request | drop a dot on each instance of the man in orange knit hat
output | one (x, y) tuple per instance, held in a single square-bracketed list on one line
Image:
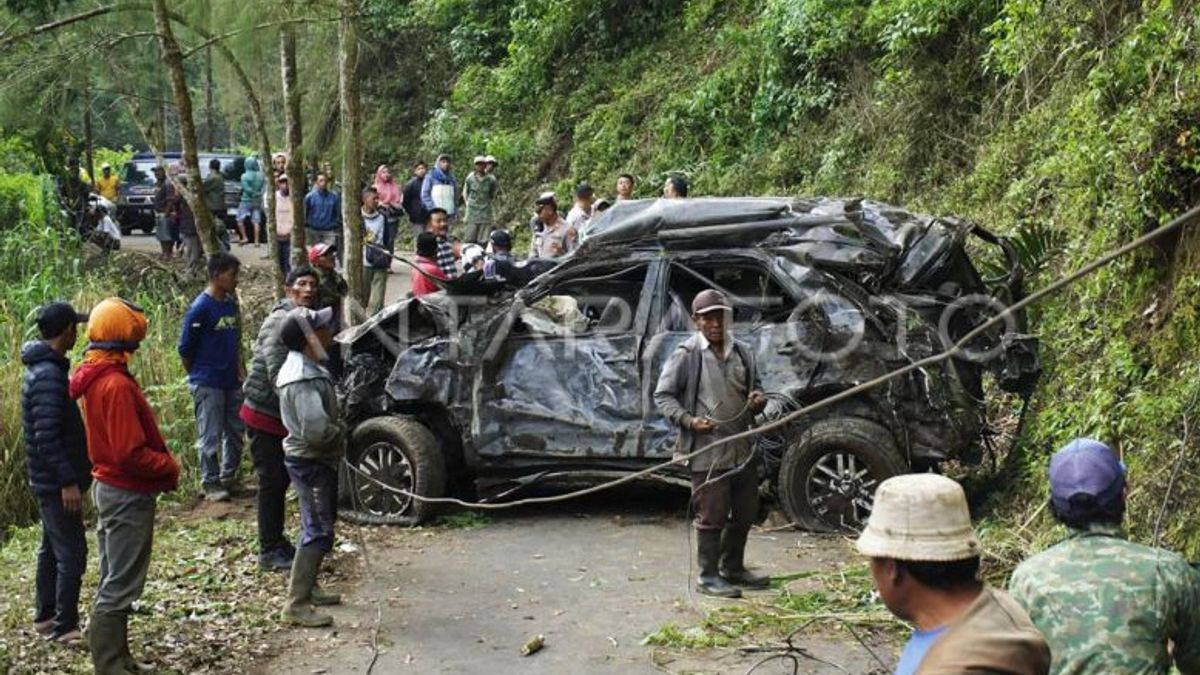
[(130, 465)]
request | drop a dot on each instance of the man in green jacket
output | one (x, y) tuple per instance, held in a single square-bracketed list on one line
[(479, 191), (1104, 603), (313, 448), (250, 208)]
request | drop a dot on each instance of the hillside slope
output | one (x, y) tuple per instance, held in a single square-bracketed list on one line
[(1072, 123)]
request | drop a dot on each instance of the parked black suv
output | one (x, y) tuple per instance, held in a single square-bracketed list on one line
[(135, 203), (555, 380)]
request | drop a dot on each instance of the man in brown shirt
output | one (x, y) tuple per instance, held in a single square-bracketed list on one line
[(925, 562)]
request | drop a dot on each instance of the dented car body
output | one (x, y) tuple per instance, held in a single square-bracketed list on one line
[(555, 379)]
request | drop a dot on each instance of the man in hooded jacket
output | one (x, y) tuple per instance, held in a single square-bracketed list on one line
[(250, 212), (130, 464), (440, 189)]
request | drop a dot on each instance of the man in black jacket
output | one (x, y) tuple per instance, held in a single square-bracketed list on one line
[(418, 216), (59, 471)]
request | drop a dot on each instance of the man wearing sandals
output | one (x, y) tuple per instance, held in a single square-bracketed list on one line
[(59, 471)]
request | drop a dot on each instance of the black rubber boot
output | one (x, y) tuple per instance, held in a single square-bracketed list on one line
[(298, 611), (708, 551), (733, 556), (106, 637)]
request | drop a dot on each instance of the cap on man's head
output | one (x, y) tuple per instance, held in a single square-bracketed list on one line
[(710, 300), (501, 239), (584, 189), (1085, 471), (427, 245), (491, 160), (445, 156), (480, 159), (545, 198), (317, 250), (55, 318), (919, 517), (299, 324)]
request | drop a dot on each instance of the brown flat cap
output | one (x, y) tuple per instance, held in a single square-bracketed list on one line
[(710, 300)]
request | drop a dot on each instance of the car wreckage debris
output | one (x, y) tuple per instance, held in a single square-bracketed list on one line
[(513, 386)]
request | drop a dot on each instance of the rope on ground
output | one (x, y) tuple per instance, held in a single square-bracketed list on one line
[(957, 349), (791, 652)]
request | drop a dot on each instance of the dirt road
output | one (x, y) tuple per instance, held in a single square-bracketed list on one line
[(398, 283), (595, 578)]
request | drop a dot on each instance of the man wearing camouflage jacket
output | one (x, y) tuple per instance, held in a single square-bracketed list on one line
[(1106, 604)]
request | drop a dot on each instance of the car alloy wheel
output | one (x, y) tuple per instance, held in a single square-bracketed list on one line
[(387, 464), (841, 490)]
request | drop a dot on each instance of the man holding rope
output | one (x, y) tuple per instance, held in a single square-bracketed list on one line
[(710, 389)]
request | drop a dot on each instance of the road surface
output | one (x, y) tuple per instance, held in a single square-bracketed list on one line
[(594, 577), (397, 287)]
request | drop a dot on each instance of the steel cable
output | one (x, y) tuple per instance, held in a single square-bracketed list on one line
[(957, 349)]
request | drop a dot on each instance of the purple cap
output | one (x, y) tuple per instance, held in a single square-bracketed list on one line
[(1085, 470)]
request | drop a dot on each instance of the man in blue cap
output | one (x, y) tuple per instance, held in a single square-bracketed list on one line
[(1106, 604)]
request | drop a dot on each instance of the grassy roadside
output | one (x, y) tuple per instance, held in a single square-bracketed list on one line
[(206, 608), (837, 603)]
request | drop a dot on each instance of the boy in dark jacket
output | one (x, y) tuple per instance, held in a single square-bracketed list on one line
[(59, 471), (130, 464), (260, 412)]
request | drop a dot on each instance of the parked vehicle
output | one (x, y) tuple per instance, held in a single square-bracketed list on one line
[(555, 379), (135, 208)]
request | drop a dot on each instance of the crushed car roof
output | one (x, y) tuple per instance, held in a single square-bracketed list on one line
[(876, 243)]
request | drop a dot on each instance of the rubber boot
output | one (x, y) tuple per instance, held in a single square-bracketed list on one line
[(733, 556), (106, 637), (319, 597), (298, 612), (708, 550)]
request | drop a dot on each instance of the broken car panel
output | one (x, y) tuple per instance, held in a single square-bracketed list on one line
[(557, 376)]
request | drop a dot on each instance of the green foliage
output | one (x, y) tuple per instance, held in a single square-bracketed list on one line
[(1070, 126)]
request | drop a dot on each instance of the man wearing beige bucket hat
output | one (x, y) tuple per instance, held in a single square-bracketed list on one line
[(925, 562)]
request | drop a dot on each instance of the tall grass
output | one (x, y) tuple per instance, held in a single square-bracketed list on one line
[(41, 261)]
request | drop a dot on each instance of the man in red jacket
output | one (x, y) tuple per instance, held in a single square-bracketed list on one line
[(130, 465)]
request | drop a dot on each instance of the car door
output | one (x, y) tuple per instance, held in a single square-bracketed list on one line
[(766, 319), (564, 381)]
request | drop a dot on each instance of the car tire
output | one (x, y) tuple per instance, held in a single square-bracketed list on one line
[(837, 448), (401, 452)]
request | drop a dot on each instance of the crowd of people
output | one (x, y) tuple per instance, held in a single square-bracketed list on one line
[(1094, 603), (284, 401)]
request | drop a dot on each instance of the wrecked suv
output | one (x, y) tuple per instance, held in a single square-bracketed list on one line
[(496, 388)]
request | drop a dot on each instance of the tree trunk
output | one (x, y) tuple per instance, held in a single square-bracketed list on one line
[(173, 58), (351, 150), (89, 147), (264, 148), (208, 100), (295, 164)]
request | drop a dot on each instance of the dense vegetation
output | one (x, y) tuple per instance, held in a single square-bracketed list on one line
[(41, 260), (1074, 119)]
